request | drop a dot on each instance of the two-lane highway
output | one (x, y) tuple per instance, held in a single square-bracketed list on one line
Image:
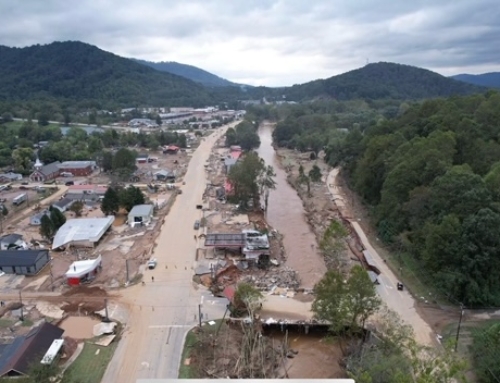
[(162, 311)]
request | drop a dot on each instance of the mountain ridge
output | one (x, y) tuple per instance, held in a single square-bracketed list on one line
[(490, 79), (190, 72)]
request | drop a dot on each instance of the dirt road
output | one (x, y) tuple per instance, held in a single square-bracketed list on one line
[(399, 301), (162, 311)]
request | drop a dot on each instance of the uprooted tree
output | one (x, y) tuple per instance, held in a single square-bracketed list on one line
[(393, 356), (247, 300)]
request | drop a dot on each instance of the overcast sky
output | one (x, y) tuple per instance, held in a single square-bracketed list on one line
[(270, 42)]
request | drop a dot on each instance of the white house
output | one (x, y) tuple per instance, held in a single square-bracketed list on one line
[(11, 241), (140, 215)]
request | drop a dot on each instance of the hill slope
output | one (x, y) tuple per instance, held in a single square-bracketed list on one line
[(188, 71), (486, 79), (382, 81), (77, 71)]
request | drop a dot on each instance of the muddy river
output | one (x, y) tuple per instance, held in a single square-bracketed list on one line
[(316, 357), (286, 214)]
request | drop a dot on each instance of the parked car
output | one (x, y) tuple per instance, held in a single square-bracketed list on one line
[(199, 207), (22, 188), (69, 183), (25, 183), (196, 224), (152, 263), (400, 286)]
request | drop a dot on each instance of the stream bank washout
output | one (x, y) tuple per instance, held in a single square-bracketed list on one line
[(286, 213)]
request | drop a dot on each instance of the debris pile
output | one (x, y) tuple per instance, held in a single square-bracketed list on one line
[(271, 279)]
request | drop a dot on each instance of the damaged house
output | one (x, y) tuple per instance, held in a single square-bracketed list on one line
[(250, 243)]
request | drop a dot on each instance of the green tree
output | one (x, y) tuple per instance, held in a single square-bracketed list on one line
[(303, 179), (124, 159), (245, 176), (131, 196), (23, 157), (247, 300), (347, 303), (333, 242), (159, 122), (77, 208), (111, 202), (43, 119), (485, 350), (106, 161), (46, 227), (315, 173), (7, 117), (266, 183), (57, 217)]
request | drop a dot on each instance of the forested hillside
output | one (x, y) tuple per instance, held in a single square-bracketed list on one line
[(75, 71), (382, 81), (433, 178), (188, 71)]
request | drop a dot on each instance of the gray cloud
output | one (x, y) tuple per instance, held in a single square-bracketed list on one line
[(270, 42)]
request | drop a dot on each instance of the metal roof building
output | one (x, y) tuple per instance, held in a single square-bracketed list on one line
[(84, 232), (225, 240)]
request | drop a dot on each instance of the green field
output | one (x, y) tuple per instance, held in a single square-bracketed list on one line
[(90, 366)]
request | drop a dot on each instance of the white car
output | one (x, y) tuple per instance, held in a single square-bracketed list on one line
[(152, 264)]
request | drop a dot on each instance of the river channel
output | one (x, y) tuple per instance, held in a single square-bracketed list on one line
[(285, 213)]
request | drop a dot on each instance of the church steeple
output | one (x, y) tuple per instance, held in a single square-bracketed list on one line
[(38, 164)]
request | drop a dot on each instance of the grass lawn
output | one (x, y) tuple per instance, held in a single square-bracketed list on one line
[(89, 367), (189, 372)]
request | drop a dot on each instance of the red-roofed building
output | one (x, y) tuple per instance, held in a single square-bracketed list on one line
[(228, 188), (235, 155), (171, 149)]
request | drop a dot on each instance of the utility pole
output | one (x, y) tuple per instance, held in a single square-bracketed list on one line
[(106, 310), (126, 268), (21, 300), (459, 325), (51, 275), (199, 315)]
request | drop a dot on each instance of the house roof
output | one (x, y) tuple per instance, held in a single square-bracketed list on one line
[(164, 173), (230, 161), (80, 268), (50, 168), (11, 238), (30, 348), (141, 210), (20, 257), (10, 175), (142, 155), (235, 154), (64, 203), (225, 240), (75, 165), (90, 188), (82, 229)]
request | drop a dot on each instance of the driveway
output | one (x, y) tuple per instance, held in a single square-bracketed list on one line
[(399, 301), (163, 310)]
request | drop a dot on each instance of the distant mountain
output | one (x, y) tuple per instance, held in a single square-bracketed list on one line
[(382, 81), (76, 71), (491, 80), (188, 71)]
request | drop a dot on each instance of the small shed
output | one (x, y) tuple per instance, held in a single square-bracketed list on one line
[(164, 175), (140, 215), (142, 158), (23, 262), (36, 219)]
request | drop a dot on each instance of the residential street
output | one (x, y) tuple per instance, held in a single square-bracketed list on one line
[(161, 312), (399, 301)]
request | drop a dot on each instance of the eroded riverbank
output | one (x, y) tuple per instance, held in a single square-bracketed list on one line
[(286, 214)]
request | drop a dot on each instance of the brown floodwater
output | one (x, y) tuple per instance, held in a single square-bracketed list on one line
[(316, 358), (285, 213), (79, 327)]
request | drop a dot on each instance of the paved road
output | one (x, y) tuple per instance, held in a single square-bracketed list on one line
[(399, 301), (162, 311)]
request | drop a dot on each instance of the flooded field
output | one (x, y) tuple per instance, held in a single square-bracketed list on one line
[(286, 214), (79, 327)]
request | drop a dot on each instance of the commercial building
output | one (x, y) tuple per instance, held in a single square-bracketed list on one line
[(23, 262), (83, 271), (82, 232), (140, 215), (77, 168), (251, 243)]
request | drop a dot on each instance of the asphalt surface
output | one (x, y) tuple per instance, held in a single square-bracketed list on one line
[(401, 302), (163, 310)]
